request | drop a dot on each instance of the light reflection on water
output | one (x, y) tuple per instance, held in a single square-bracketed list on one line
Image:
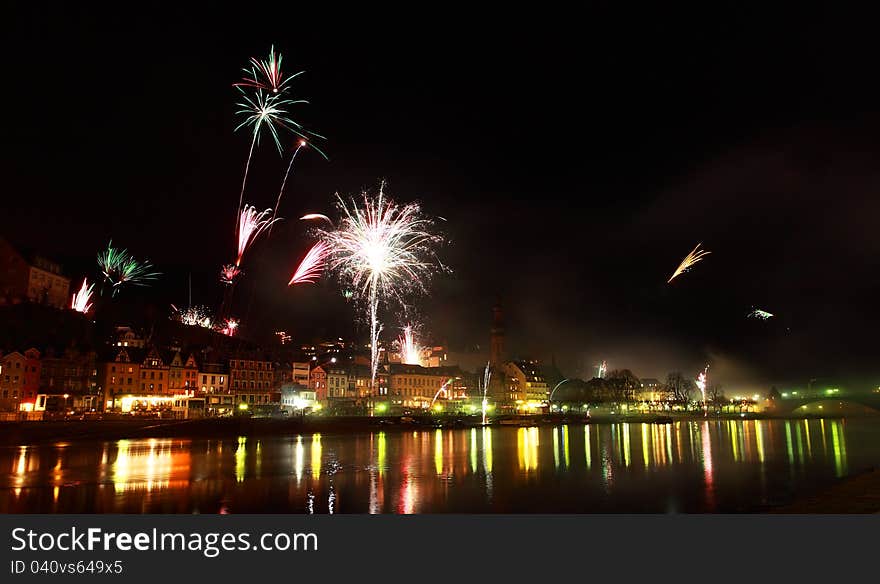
[(691, 466)]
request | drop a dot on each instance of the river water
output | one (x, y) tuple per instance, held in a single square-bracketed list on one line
[(683, 467)]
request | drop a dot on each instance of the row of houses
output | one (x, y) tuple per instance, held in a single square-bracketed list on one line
[(133, 378)]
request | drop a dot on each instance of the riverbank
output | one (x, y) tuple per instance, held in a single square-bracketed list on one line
[(27, 433)]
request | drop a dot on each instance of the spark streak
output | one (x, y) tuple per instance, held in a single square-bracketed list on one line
[(701, 385), (311, 267), (689, 261), (410, 352), (81, 300), (312, 216), (758, 313), (250, 225)]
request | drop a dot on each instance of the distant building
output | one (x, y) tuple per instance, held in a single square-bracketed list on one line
[(31, 279), (183, 374), (253, 383), (126, 337), (213, 378), (296, 398), (154, 374), (318, 382), (652, 390), (300, 372), (19, 380), (74, 374), (526, 388), (119, 376), (213, 384), (415, 386)]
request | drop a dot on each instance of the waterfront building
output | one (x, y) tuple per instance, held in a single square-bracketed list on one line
[(318, 382), (298, 399), (183, 374), (118, 376), (300, 372), (415, 386), (19, 380), (253, 383), (526, 388), (213, 384), (651, 390), (72, 376)]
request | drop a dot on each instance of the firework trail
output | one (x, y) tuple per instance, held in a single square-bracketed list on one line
[(229, 327), (284, 180), (118, 268), (250, 225), (263, 110), (439, 391), (310, 268), (312, 216), (758, 313), (382, 251), (81, 300), (602, 369), (701, 385), (487, 377), (689, 261), (193, 316), (410, 352)]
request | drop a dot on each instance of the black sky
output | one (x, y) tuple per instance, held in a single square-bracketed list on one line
[(576, 157)]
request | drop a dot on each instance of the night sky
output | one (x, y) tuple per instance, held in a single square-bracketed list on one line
[(576, 162)]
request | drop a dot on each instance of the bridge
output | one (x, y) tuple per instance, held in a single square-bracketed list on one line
[(851, 403)]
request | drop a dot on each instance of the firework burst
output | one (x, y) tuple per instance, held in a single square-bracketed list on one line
[(702, 380), (119, 268), (250, 225), (273, 79), (81, 300), (758, 313), (229, 273), (311, 267), (193, 316), (382, 251), (229, 327), (696, 255), (410, 352)]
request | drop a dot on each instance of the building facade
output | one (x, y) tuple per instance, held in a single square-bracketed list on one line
[(526, 389), (19, 380), (35, 279)]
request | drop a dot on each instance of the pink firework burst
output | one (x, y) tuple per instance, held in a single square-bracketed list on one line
[(311, 267), (229, 273), (250, 225), (230, 327)]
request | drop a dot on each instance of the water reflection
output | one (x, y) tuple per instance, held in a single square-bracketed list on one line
[(700, 465)]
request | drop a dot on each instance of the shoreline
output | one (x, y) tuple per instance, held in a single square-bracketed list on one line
[(27, 433)]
